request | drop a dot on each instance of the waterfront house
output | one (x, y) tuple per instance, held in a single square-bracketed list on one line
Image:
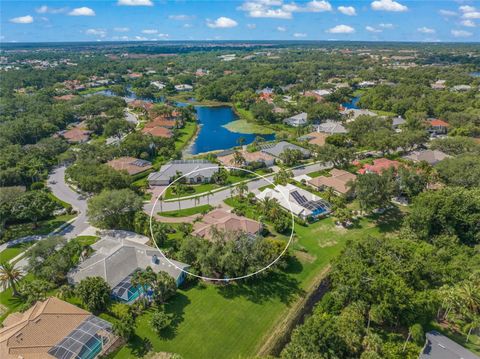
[(297, 120), (276, 149), (195, 171)]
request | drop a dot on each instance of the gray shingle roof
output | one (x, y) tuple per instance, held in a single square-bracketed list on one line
[(439, 346), (115, 259), (276, 149), (170, 169)]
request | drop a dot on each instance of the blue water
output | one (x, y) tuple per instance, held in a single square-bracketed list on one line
[(352, 104), (213, 136), (475, 74)]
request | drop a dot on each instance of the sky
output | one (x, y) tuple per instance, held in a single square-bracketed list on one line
[(140, 20)]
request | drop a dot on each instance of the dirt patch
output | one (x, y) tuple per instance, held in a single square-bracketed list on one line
[(329, 243), (305, 256)]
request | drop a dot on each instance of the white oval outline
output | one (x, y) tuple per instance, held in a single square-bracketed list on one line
[(223, 279)]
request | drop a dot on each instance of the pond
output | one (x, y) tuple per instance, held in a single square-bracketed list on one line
[(213, 136), (352, 104)]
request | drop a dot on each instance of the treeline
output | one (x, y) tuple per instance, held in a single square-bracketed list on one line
[(385, 291)]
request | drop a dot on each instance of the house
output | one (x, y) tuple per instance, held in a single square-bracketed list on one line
[(276, 149), (437, 127), (162, 121), (315, 138), (195, 171), (227, 158), (432, 157), (438, 85), (140, 105), (116, 258), (158, 131), (77, 134), (331, 127), (339, 181), (461, 88), (379, 165), (183, 87), (68, 97), (397, 122), (438, 346), (159, 85), (227, 222), (131, 165), (318, 95), (353, 113), (55, 329), (297, 120), (300, 202), (365, 84)]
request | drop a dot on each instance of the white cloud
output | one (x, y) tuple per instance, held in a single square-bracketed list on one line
[(222, 22), (140, 38), (121, 29), (426, 30), (135, 2), (149, 31), (466, 8), (96, 32), (388, 5), (187, 26), (281, 28), (447, 12), (319, 6), (468, 23), (372, 29), (27, 19), (181, 17), (299, 34), (44, 9), (347, 10), (251, 26), (82, 11), (461, 33), (341, 29), (386, 26), (278, 10), (472, 15)]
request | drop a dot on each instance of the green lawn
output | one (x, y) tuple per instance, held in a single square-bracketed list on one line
[(214, 321), (187, 211), (193, 190), (243, 126), (185, 134), (8, 302), (26, 229), (11, 252)]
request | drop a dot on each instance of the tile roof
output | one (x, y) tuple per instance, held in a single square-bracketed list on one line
[(130, 164), (257, 156), (430, 156), (158, 131), (338, 180), (315, 138), (438, 123), (32, 333), (276, 149), (379, 165), (225, 221)]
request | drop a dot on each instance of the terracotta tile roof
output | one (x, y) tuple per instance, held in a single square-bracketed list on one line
[(379, 165), (130, 164), (158, 131), (225, 221), (32, 333), (161, 121), (316, 138), (438, 123), (76, 134), (338, 180)]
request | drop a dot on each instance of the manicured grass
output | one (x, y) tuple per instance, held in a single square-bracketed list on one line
[(86, 240), (26, 229), (194, 190), (11, 252), (92, 90), (187, 211), (218, 321), (8, 302), (185, 134), (243, 126), (319, 173)]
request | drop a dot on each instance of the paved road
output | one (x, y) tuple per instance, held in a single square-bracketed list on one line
[(56, 182), (217, 198)]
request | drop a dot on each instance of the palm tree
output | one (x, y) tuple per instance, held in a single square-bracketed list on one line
[(242, 188), (10, 276), (238, 159)]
